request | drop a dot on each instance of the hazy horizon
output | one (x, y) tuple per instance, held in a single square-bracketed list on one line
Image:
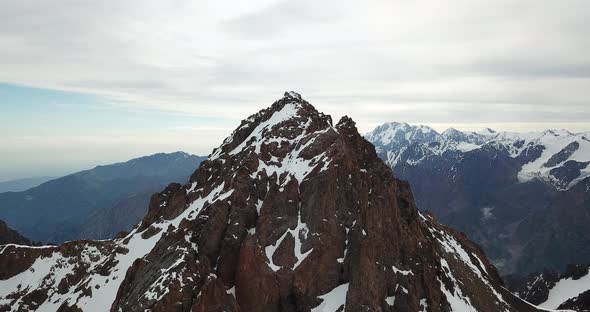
[(56, 172)]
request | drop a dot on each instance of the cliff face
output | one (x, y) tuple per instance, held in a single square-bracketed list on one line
[(10, 236), (290, 213)]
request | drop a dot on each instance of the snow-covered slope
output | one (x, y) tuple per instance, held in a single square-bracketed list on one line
[(566, 289), (558, 157), (570, 290)]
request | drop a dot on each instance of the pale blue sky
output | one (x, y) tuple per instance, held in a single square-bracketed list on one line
[(95, 82), (49, 132)]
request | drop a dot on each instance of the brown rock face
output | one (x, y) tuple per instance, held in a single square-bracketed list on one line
[(257, 288), (290, 213), (167, 205)]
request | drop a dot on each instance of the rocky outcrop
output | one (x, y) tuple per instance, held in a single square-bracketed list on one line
[(10, 236), (290, 213)]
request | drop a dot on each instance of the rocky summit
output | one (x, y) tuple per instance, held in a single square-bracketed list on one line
[(290, 213)]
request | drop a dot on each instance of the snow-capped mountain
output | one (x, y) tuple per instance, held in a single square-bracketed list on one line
[(558, 157), (551, 290), (498, 187), (290, 213)]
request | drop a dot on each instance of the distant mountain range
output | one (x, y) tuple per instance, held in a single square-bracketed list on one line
[(19, 185), (524, 197), (95, 203)]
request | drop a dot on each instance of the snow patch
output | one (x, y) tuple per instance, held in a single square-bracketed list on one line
[(333, 300), (402, 272), (390, 300), (467, 147), (300, 230), (456, 299), (423, 305)]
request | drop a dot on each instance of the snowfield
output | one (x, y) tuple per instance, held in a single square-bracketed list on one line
[(566, 289)]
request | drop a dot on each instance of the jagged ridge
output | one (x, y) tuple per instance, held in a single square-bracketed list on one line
[(558, 157)]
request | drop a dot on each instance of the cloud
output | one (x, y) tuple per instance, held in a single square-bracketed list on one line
[(486, 214), (190, 56), (422, 61), (280, 16)]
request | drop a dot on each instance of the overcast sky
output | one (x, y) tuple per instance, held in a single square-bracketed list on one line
[(92, 82)]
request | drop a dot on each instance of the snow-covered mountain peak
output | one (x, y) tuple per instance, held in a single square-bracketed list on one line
[(285, 122), (557, 132), (453, 134), (399, 133), (487, 131), (449, 132), (426, 129), (292, 95), (556, 156)]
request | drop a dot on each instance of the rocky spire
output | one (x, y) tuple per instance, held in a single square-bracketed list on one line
[(288, 214)]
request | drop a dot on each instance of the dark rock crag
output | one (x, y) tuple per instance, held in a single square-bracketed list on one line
[(290, 213)]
